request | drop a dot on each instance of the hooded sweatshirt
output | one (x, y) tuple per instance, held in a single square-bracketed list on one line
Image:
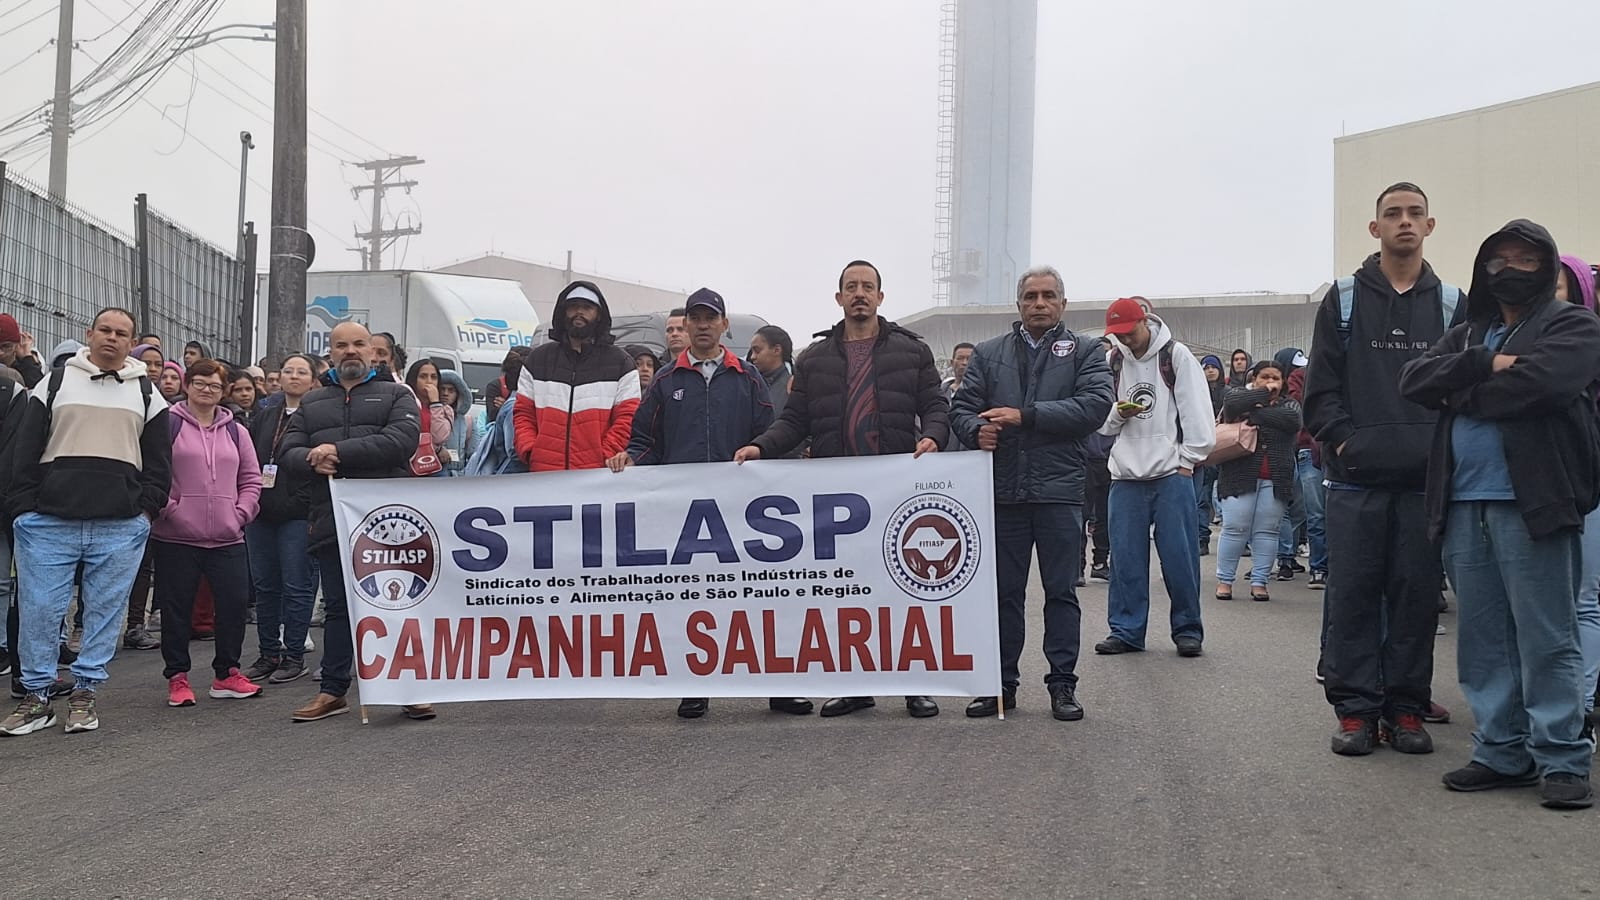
[(1238, 379), (1218, 387), (1583, 277), (1148, 444), (1542, 434), (1351, 394), (216, 482), (465, 429)]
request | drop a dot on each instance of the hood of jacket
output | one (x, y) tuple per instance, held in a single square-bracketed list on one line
[(602, 324), (1371, 274), (131, 369), (63, 350), (463, 393), (1583, 277), (1285, 359), (1480, 305)]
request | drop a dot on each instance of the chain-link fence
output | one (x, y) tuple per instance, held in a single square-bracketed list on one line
[(59, 266)]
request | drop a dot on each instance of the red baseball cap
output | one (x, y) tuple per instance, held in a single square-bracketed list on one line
[(1124, 315)]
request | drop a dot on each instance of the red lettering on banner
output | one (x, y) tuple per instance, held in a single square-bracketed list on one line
[(885, 638), (526, 653), (374, 626), (494, 640), (741, 646), (855, 631), (953, 661), (569, 646), (452, 653), (601, 643), (916, 644), (647, 647), (408, 653), (700, 624), (814, 644), (772, 663)]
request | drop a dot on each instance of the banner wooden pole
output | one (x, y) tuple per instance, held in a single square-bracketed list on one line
[(363, 714)]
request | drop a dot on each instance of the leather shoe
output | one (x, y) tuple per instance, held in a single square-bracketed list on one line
[(1114, 645), (693, 708), (321, 707), (983, 707), (794, 706), (420, 712), (1188, 646), (844, 706), (921, 707), (1064, 703)]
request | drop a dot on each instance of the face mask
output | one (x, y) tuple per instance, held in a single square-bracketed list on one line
[(1516, 288)]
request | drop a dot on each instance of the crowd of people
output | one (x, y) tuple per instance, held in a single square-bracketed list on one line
[(1434, 439)]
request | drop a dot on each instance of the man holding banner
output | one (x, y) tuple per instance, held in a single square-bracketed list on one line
[(867, 388), (702, 408), (1033, 423)]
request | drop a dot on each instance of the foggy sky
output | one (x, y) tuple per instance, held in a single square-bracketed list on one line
[(754, 147)]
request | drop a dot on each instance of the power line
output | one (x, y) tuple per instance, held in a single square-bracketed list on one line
[(24, 24), (15, 8), (43, 47)]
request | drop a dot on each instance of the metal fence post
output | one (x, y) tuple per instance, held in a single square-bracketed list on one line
[(141, 233), (247, 299)]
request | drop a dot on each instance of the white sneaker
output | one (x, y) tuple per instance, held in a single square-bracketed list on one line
[(1439, 629), (310, 645)]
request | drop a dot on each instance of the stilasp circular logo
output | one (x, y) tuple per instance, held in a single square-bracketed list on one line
[(931, 547), (395, 557)]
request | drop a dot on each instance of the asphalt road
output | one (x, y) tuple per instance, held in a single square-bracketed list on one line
[(1208, 777)]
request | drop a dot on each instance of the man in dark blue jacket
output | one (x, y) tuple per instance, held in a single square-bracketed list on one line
[(1030, 397), (702, 408)]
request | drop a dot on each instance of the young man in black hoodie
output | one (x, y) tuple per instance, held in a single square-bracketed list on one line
[(1383, 573), (1514, 384)]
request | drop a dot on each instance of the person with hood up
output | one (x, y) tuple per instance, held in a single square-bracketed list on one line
[(1255, 489), (171, 382), (1206, 476), (1576, 285), (1291, 360), (1164, 429), (577, 394), (216, 492), (467, 426), (1239, 363), (65, 351), (1514, 471), (1211, 366), (193, 352), (1382, 598)]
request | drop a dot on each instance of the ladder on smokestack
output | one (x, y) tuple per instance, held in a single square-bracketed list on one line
[(945, 159)]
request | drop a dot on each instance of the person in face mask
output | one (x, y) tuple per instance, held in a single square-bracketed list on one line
[(1511, 477)]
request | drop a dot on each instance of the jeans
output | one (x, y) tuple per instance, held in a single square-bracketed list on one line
[(1168, 504), (1382, 602), (1096, 490), (227, 570), (1291, 520), (1253, 517), (1589, 607), (338, 647), (48, 551), (1205, 483), (1052, 528), (1517, 641), (286, 588), (1313, 499)]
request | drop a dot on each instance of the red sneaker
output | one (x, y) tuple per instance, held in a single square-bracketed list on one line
[(178, 692), (1436, 714), (234, 687)]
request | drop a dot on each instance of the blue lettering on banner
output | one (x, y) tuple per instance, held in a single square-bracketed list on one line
[(493, 333)]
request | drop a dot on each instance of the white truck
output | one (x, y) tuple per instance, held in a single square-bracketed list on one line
[(461, 322)]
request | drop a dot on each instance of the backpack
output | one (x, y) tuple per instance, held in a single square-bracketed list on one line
[(1449, 297), (146, 388), (493, 456), (1169, 374)]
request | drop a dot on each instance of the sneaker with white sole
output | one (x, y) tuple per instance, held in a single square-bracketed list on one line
[(234, 687), (178, 691), (80, 712), (34, 713)]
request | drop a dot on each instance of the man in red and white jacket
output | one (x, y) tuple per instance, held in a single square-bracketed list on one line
[(577, 394)]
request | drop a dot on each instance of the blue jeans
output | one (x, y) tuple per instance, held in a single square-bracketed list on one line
[(286, 586), (1589, 607), (1517, 642), (338, 646), (1253, 517), (1056, 531), (1314, 500), (1205, 483), (1169, 504), (49, 550)]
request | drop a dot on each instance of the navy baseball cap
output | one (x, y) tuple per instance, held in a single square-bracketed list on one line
[(708, 298)]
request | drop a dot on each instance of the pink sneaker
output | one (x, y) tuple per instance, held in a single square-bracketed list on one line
[(234, 687), (178, 692)]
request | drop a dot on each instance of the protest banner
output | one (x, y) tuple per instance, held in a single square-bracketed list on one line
[(832, 577)]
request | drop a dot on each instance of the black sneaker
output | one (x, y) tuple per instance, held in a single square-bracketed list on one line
[(1205, 547), (1285, 571), (1564, 790), (1318, 582), (1064, 703), (289, 669), (1357, 736), (1114, 645), (693, 708), (1475, 776), (983, 707), (263, 667), (62, 687), (1295, 565), (1100, 575), (1406, 734), (1188, 646)]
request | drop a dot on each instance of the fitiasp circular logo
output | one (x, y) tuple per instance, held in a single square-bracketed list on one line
[(931, 547), (395, 557), (1144, 394)]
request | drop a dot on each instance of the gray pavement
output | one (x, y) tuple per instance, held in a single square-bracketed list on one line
[(1189, 778)]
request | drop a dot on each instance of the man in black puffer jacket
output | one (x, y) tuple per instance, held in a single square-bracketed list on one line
[(1030, 397), (359, 426), (869, 387)]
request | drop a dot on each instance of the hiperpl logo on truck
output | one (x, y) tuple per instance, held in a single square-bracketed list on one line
[(322, 315), (491, 333)]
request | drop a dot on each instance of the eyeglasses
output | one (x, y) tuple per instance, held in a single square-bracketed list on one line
[(1522, 262), (206, 387)]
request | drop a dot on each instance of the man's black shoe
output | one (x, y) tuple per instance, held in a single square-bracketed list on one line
[(1114, 645), (1406, 734), (1475, 776), (1188, 646), (62, 686), (1318, 582), (1100, 574), (844, 706), (1296, 565), (794, 706), (1205, 546), (1357, 736), (1285, 571), (693, 708), (1064, 703), (983, 707), (921, 707), (1564, 790)]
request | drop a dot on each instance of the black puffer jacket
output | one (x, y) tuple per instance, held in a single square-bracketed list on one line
[(1063, 397), (1277, 425), (290, 497), (910, 405), (375, 426)]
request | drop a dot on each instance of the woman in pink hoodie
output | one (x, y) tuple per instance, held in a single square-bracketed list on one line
[(216, 491)]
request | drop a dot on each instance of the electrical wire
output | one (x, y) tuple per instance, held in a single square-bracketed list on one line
[(188, 107), (25, 23), (14, 9), (45, 46)]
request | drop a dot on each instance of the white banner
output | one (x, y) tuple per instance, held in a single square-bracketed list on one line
[(831, 577)]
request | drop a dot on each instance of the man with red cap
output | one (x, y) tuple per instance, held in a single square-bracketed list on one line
[(1164, 429)]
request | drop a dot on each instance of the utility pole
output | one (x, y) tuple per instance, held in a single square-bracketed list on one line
[(61, 109), (291, 246), (378, 237)]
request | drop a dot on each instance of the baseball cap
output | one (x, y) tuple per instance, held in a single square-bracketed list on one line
[(1124, 315), (708, 298), (10, 333)]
